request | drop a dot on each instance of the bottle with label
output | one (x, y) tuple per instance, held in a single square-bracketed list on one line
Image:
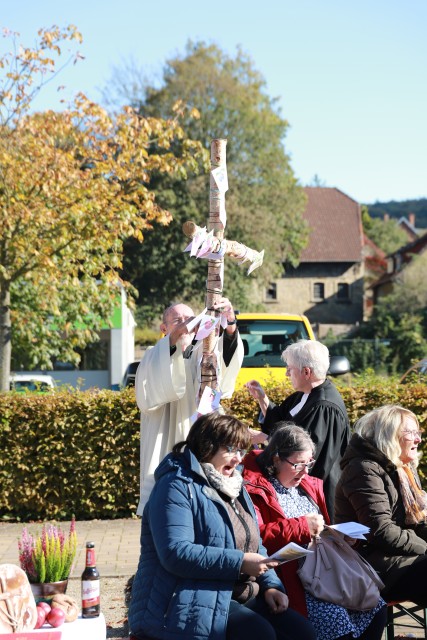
[(91, 600)]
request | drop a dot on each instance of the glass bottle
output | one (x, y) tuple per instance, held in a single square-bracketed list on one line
[(91, 600)]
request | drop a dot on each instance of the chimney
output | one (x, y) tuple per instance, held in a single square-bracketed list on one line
[(386, 217), (411, 218)]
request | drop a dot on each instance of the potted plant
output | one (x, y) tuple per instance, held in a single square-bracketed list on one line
[(48, 558)]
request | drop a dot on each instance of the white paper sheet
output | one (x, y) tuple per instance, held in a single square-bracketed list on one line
[(351, 529), (291, 551)]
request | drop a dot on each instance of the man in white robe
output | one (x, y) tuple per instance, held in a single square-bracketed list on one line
[(167, 383)]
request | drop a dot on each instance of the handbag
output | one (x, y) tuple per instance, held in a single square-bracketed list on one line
[(335, 572)]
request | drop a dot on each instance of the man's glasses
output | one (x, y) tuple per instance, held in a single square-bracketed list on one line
[(300, 466), (411, 435), (233, 451)]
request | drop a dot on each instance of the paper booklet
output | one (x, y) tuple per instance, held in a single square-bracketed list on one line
[(351, 529), (291, 551)]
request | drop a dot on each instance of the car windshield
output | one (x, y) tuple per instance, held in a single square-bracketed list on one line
[(29, 385), (264, 340)]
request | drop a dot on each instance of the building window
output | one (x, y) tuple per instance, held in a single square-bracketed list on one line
[(318, 291), (343, 291), (271, 291), (95, 356)]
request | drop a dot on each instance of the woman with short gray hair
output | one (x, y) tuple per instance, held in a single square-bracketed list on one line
[(291, 507)]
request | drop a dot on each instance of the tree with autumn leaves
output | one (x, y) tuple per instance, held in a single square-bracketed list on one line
[(73, 186)]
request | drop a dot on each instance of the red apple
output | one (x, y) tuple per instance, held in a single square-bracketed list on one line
[(41, 617), (55, 617), (45, 606)]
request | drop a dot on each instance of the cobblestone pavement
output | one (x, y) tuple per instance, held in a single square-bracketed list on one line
[(117, 553)]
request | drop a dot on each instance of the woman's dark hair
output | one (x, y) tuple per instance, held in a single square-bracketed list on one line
[(212, 431), (287, 439)]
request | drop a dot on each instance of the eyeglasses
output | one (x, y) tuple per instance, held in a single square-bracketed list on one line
[(411, 435), (300, 466), (234, 452)]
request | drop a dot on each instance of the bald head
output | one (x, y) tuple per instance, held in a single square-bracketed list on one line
[(173, 318)]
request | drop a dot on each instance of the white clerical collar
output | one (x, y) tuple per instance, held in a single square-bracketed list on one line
[(300, 404)]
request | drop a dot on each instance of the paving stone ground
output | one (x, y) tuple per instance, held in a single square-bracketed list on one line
[(117, 553)]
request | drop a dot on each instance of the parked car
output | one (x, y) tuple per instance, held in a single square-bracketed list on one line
[(129, 374), (416, 373), (265, 336), (31, 382)]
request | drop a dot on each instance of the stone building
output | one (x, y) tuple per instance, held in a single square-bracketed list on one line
[(328, 284)]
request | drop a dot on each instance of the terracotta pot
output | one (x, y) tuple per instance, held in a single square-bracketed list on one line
[(46, 590)]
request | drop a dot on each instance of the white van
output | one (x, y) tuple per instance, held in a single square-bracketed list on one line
[(31, 382)]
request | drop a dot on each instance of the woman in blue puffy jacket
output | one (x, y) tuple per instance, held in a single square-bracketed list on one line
[(203, 573)]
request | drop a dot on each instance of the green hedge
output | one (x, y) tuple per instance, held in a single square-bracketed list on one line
[(78, 452), (69, 453)]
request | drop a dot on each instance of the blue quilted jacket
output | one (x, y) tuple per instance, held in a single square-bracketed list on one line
[(188, 563)]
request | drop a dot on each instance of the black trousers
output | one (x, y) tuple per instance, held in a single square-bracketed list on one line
[(254, 621), (410, 584), (375, 629)]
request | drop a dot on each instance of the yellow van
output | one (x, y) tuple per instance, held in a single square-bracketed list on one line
[(264, 337)]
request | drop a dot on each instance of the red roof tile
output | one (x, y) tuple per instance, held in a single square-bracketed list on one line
[(336, 227)]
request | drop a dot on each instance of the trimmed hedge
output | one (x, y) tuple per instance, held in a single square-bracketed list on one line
[(78, 452), (69, 453)]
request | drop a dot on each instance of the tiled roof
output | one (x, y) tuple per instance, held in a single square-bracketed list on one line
[(336, 227)]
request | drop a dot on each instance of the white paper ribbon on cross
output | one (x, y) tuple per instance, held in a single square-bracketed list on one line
[(221, 178), (257, 262), (222, 211), (209, 401), (195, 321), (207, 245), (196, 241), (207, 325)]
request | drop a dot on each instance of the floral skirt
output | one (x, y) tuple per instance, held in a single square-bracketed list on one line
[(332, 621)]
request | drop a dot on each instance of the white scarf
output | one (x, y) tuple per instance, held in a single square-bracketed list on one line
[(230, 485)]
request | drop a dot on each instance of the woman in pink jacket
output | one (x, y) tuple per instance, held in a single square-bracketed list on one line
[(290, 506)]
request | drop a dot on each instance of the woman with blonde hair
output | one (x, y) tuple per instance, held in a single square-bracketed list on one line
[(380, 488)]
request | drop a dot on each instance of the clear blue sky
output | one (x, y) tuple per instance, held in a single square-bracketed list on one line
[(351, 76)]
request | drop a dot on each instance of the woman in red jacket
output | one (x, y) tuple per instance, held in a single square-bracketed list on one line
[(291, 506)]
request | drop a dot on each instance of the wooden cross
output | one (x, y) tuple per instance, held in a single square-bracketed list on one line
[(236, 250)]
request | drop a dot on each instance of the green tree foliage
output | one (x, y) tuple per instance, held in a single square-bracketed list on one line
[(386, 234), (396, 334), (363, 353), (73, 186), (264, 202)]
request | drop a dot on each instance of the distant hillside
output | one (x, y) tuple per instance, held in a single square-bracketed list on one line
[(399, 209)]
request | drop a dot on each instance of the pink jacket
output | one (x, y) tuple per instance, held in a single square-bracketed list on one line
[(276, 529)]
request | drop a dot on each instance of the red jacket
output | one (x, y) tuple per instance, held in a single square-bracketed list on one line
[(276, 529)]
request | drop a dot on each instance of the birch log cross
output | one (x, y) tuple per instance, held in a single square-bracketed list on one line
[(218, 248)]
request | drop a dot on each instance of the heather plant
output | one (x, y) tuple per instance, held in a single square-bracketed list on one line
[(48, 557)]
